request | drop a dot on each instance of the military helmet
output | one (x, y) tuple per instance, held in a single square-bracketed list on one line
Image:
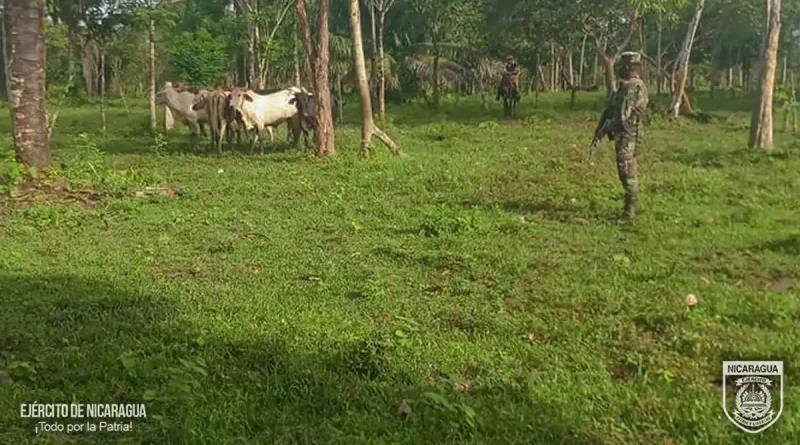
[(631, 57), (510, 58)]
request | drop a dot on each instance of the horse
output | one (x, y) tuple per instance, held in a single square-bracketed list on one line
[(509, 91)]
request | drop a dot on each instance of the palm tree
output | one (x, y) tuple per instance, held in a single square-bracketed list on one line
[(437, 71), (341, 66), (23, 37), (485, 74)]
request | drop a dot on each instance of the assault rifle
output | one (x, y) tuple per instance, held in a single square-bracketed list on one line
[(604, 129)]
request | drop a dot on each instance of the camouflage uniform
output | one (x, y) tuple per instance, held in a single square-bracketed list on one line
[(625, 108)]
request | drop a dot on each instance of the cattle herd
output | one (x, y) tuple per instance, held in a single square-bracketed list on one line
[(238, 111)]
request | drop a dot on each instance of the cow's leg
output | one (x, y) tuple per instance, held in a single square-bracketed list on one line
[(253, 139), (231, 130), (214, 130), (192, 134), (202, 129), (295, 126), (222, 127), (271, 132)]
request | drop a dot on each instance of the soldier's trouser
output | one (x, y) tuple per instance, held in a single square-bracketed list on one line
[(625, 147)]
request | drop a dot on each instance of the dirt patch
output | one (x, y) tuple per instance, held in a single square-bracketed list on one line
[(574, 124), (782, 285), (622, 371), (59, 192)]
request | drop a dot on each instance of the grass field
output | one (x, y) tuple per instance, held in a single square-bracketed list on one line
[(281, 299)]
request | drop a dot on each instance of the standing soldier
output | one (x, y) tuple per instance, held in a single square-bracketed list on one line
[(621, 120)]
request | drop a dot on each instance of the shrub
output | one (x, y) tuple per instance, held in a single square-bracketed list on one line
[(199, 58)]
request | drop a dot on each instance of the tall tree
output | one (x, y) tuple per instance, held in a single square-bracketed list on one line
[(448, 29), (611, 25), (430, 13), (318, 55), (249, 11), (151, 51), (682, 66), (761, 120), (368, 127), (659, 55), (380, 8), (264, 63), (150, 14), (23, 29)]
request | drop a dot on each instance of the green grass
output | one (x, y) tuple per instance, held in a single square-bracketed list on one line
[(280, 299)]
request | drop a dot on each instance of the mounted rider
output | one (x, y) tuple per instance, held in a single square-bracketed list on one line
[(510, 76)]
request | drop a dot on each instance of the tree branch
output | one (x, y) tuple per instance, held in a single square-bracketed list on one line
[(302, 19), (282, 15), (631, 29), (383, 137), (323, 39)]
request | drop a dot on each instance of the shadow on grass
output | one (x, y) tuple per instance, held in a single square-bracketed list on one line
[(181, 144), (68, 338), (789, 245), (547, 210), (468, 110), (720, 157)]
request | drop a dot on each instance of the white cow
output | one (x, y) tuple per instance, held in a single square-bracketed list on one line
[(267, 111), (180, 104)]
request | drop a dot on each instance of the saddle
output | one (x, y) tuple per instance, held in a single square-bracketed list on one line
[(511, 80)]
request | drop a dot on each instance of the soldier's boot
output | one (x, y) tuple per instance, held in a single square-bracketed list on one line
[(630, 208)]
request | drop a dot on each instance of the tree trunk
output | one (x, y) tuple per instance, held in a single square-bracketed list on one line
[(610, 76), (682, 65), (296, 57), (552, 67), (71, 45), (729, 78), (783, 73), (340, 98), (542, 78), (594, 68), (761, 121), (741, 76), (24, 43), (373, 62), (260, 80), (91, 60), (381, 67), (151, 40), (368, 128), (556, 67), (6, 74), (536, 79), (580, 67), (660, 75), (252, 59), (318, 57), (436, 94), (103, 89), (715, 78), (571, 71), (793, 101)]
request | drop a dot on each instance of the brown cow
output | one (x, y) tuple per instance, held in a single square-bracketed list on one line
[(221, 116)]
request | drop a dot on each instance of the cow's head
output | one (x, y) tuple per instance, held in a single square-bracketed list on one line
[(307, 108), (239, 96), (161, 95), (200, 100)]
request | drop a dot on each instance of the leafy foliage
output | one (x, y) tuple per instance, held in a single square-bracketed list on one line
[(199, 58)]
